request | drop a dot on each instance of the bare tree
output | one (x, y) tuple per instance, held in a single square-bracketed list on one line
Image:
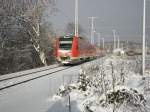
[(25, 27), (33, 22)]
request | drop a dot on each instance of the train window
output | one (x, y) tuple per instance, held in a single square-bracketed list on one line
[(65, 43), (65, 46)]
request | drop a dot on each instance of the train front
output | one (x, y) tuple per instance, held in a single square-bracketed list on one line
[(64, 55)]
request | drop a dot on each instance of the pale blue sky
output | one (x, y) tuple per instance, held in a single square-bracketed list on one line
[(123, 15)]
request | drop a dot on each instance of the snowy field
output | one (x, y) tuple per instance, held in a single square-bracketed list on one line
[(34, 96), (113, 84), (109, 84)]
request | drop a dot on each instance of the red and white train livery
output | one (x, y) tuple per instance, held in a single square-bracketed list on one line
[(72, 49)]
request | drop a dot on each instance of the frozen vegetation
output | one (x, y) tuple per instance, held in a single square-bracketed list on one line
[(111, 84)]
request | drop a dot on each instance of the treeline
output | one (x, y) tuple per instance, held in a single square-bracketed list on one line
[(24, 30)]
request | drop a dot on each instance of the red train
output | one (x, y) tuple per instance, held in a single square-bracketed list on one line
[(71, 49)]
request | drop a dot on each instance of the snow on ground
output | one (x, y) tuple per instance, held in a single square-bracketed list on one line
[(34, 96), (88, 95), (112, 84)]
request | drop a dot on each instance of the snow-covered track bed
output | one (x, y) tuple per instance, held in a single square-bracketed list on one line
[(10, 80), (26, 72)]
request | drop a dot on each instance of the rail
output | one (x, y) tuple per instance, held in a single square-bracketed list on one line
[(25, 74), (29, 77)]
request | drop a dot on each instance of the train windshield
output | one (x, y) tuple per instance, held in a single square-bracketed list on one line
[(65, 46), (65, 43)]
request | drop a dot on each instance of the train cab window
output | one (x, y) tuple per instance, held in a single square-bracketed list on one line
[(64, 46), (65, 43)]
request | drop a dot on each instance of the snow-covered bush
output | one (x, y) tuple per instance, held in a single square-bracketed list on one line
[(83, 80), (64, 90), (102, 76), (106, 86), (121, 95)]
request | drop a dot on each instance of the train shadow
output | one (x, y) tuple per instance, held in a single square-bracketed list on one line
[(76, 64)]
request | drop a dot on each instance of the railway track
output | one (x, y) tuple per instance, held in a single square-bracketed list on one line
[(10, 81), (9, 76)]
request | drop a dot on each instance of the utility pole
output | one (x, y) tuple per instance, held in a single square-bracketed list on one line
[(143, 53), (76, 18), (99, 39), (127, 42), (118, 42), (93, 39), (92, 28), (103, 42), (114, 32), (146, 48)]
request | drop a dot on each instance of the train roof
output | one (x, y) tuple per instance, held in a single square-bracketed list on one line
[(70, 36)]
